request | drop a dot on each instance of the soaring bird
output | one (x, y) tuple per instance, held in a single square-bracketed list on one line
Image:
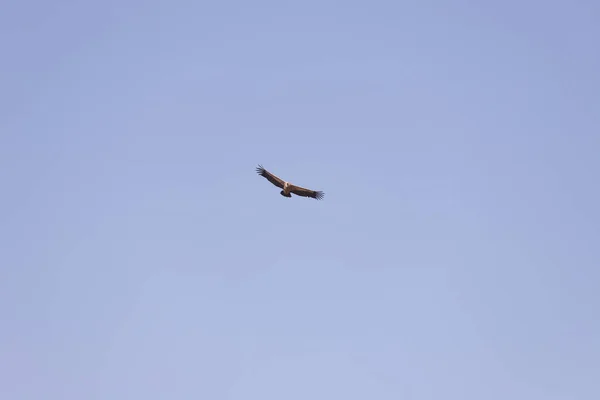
[(287, 187)]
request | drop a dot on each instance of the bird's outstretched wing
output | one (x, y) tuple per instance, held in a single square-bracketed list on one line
[(269, 176), (300, 191)]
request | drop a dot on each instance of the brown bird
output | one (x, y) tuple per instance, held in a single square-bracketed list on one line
[(287, 187)]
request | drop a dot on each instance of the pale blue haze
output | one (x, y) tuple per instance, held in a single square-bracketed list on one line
[(456, 255)]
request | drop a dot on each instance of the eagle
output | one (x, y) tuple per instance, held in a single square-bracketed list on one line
[(287, 187)]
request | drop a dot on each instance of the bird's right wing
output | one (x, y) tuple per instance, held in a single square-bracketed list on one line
[(300, 191), (269, 176)]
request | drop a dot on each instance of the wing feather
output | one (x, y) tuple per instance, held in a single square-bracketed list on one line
[(269, 176)]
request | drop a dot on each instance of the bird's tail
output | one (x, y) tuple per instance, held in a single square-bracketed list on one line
[(285, 195)]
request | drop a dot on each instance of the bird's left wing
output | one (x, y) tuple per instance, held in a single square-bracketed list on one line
[(270, 177)]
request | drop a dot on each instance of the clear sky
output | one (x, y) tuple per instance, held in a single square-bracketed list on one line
[(455, 256)]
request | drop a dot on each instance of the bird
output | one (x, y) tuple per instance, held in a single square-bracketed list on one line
[(287, 187)]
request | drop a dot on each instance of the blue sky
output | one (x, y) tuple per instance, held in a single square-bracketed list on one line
[(455, 255)]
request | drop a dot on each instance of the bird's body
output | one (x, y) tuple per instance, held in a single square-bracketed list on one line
[(286, 190), (287, 187)]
